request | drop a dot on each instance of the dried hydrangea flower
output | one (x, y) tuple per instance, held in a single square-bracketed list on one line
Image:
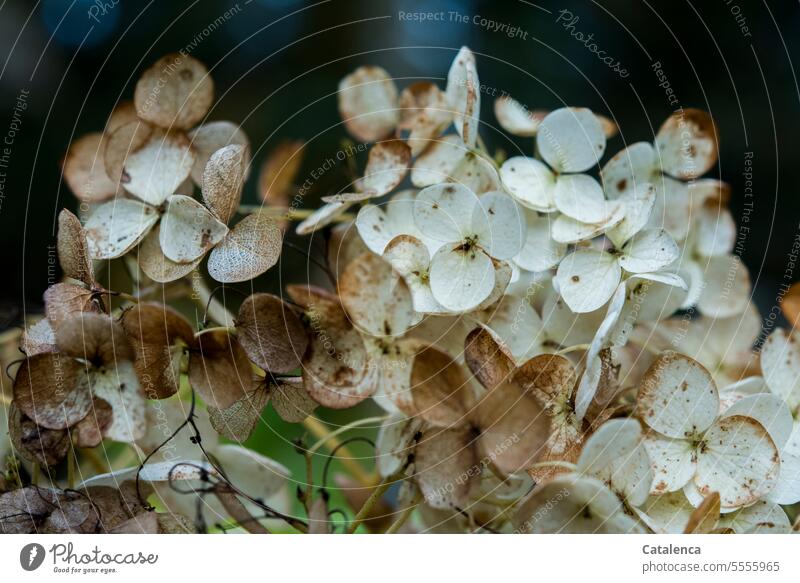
[(691, 442), (94, 363), (473, 231)]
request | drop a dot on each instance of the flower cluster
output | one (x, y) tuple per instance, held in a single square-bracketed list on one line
[(559, 343)]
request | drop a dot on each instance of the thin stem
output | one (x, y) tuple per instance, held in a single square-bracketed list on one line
[(210, 305), (344, 428), (71, 468), (228, 329), (404, 515), (573, 348), (318, 429), (373, 499)]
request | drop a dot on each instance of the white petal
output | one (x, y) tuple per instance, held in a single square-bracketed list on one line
[(762, 512), (387, 164), (188, 229), (515, 118), (649, 250), (410, 258), (539, 251), (210, 137), (727, 287), (571, 139), (738, 460), (321, 217), (530, 182), (672, 461), (117, 226), (672, 209), (580, 197), (461, 279), (438, 162), (517, 325), (667, 513), (770, 411), (627, 170), (568, 230), (591, 377), (565, 327), (587, 279), (787, 488), (379, 224), (150, 163), (444, 211), (119, 387), (615, 454), (638, 205), (780, 363), (499, 223), (715, 230), (677, 397), (464, 96), (256, 475)]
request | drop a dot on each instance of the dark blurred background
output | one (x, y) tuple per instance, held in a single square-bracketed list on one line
[(276, 64)]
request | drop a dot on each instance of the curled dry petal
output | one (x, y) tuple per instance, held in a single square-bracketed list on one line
[(95, 338), (175, 92), (223, 179), (271, 333), (64, 300), (464, 96), (73, 250), (517, 119), (368, 103), (488, 358)]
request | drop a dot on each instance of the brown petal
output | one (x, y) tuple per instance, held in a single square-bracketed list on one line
[(425, 112), (38, 338), (251, 248), (291, 400), (85, 171), (446, 465), (790, 305), (53, 390), (89, 431), (95, 338), (176, 91), (549, 375), (376, 297), (278, 173), (63, 300), (73, 251), (223, 179), (154, 323), (336, 368), (487, 358), (387, 165), (440, 393), (688, 143), (219, 370), (46, 447), (514, 428), (368, 103), (238, 421), (124, 112), (74, 515), (704, 518), (145, 523), (271, 333), (25, 510)]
